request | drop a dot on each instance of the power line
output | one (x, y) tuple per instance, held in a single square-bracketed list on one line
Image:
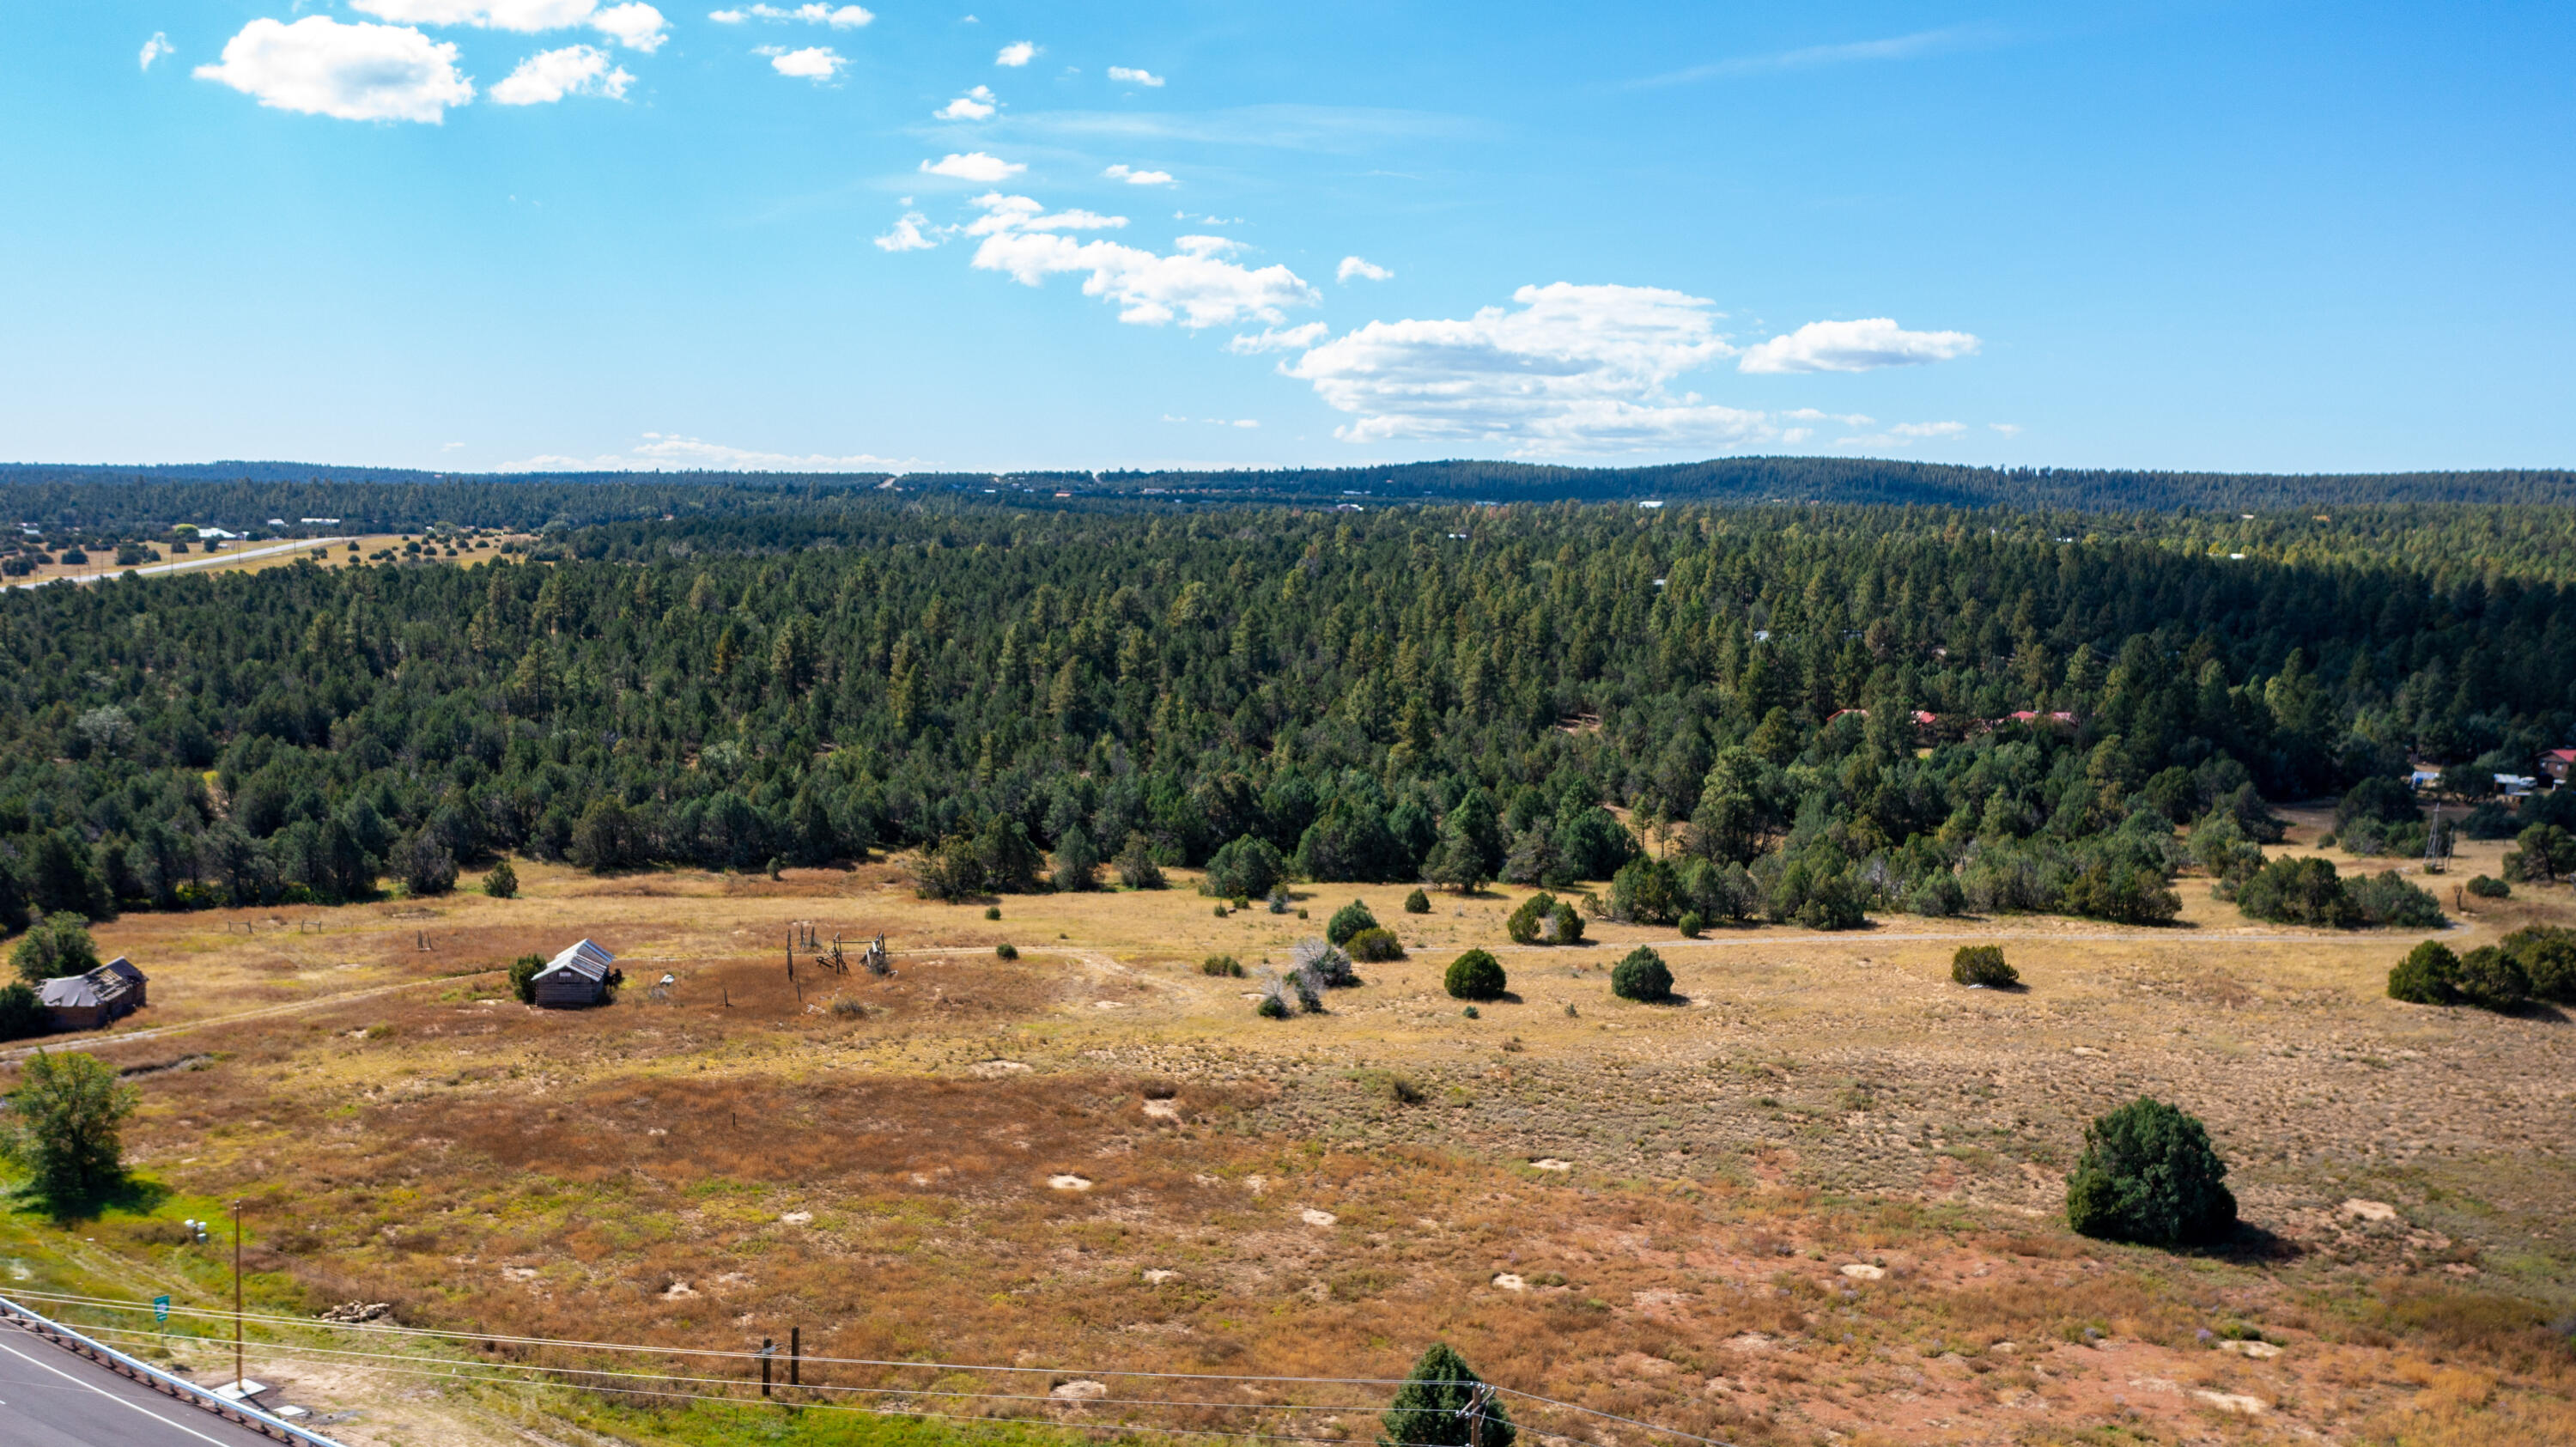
[(431, 1333)]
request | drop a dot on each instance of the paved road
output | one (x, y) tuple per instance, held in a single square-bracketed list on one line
[(211, 560), (50, 1398)]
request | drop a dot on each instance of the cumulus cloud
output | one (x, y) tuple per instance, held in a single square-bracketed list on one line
[(1134, 177), (1016, 54), (974, 105), (1854, 347), (814, 62), (355, 72), (1572, 369), (1195, 285), (907, 234), (1277, 339), (2008, 429), (155, 48), (1129, 75), (550, 75), (973, 166), (1358, 266), (659, 451), (636, 26)]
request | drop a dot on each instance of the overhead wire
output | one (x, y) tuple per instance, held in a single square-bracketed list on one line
[(497, 1339)]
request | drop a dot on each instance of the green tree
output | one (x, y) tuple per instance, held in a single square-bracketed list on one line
[(59, 945), (22, 1014), (1347, 921), (1077, 864), (65, 1126), (502, 882), (2429, 975), (1244, 869), (2149, 1175), (523, 977), (2547, 954), (2491, 979), (1417, 903), (424, 866), (1475, 975), (1136, 866), (1431, 1408), (1642, 976), (1983, 965), (2298, 891)]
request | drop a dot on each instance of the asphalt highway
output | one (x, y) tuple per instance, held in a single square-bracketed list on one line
[(50, 1398)]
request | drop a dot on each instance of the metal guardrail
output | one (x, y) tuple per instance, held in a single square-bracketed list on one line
[(161, 1381)]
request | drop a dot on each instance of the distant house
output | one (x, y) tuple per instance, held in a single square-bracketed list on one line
[(2514, 786), (578, 978), (2423, 778), (2554, 764), (103, 996), (221, 535)]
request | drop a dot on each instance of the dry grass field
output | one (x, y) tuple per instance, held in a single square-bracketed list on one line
[(1815, 1201), (243, 557)]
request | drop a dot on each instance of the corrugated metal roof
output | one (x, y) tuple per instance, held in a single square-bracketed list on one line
[(109, 981), (581, 958)]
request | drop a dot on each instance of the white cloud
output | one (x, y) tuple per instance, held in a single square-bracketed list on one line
[(1195, 285), (1132, 76), (814, 62), (525, 16), (155, 48), (1357, 266), (2009, 429), (550, 75), (907, 234), (1005, 213), (356, 72), (669, 452), (1017, 53), (974, 105), (839, 17), (1278, 339), (1906, 433), (1574, 369), (637, 26), (1134, 177), (973, 166), (1854, 347)]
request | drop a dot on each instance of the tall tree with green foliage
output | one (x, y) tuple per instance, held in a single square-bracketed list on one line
[(1432, 1408), (58, 945), (65, 1127)]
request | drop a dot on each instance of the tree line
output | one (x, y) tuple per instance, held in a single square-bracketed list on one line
[(1807, 712)]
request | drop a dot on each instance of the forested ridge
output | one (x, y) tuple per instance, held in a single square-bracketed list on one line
[(1447, 693), (114, 500)]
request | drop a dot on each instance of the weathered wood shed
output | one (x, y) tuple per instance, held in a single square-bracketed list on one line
[(577, 978), (84, 1002)]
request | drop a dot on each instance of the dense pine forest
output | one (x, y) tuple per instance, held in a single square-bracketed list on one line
[(1803, 713), (111, 502)]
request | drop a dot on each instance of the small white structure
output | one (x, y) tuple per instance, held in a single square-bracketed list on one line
[(577, 978)]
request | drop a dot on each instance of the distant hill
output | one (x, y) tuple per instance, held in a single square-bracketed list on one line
[(237, 493)]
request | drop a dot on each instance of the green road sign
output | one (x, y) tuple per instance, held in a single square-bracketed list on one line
[(161, 1310)]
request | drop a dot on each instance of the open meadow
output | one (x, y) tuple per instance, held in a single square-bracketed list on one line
[(1816, 1199)]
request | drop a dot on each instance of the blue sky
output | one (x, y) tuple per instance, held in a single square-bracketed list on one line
[(480, 234)]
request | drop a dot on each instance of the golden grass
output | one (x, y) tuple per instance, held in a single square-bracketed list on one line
[(1820, 1101)]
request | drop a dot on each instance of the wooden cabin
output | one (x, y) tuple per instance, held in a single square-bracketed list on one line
[(578, 978)]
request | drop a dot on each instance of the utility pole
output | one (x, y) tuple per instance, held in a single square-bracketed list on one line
[(1477, 1396), (238, 1378)]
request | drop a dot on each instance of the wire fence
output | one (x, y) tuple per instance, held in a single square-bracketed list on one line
[(1168, 1403)]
